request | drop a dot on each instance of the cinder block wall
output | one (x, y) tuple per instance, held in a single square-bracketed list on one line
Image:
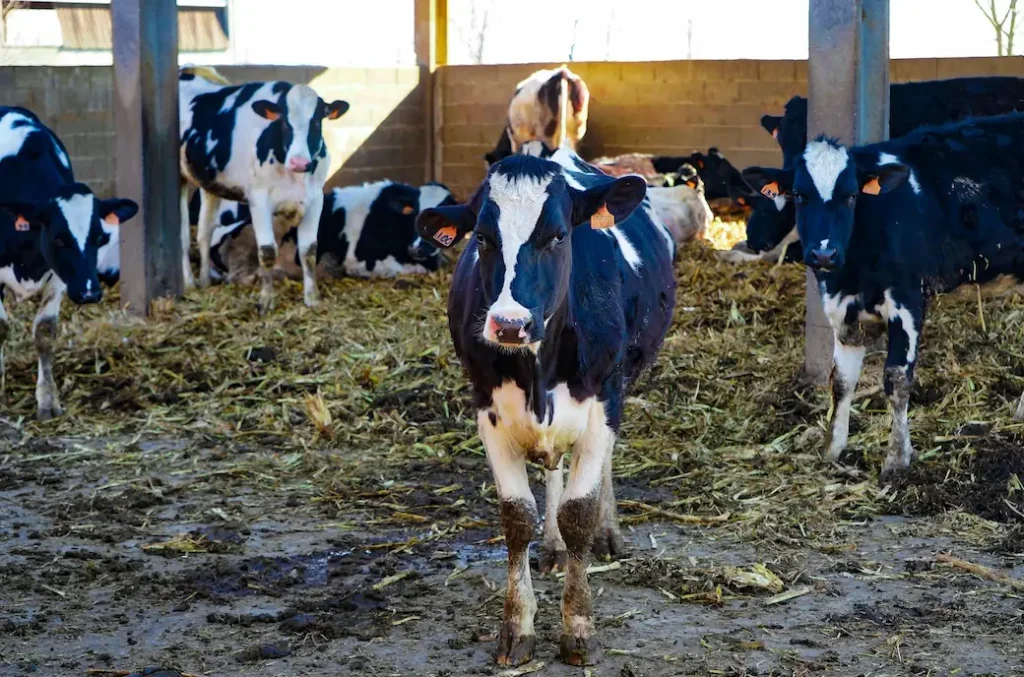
[(669, 107), (382, 135)]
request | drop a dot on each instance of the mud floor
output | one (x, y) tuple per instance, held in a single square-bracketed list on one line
[(132, 553)]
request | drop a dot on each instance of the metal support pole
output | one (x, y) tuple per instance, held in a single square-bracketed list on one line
[(848, 92), (145, 34)]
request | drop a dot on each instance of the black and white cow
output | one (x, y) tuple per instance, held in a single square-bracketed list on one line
[(563, 295), (912, 105), (720, 178), (549, 106), (364, 231), (260, 143), (51, 232), (887, 225)]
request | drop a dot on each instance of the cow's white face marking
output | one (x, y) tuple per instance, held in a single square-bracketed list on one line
[(520, 200), (13, 138), (77, 211), (301, 101), (825, 163), (780, 202), (824, 244)]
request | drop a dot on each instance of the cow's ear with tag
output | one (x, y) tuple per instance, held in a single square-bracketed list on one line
[(336, 109), (771, 124), (445, 226), (608, 204), (23, 215), (882, 179), (266, 109), (769, 182), (116, 211)]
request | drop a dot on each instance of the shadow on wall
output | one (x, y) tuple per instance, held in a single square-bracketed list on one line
[(382, 135)]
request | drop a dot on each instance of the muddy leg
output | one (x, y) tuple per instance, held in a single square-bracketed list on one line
[(577, 519), (518, 511), (266, 243), (552, 551), (44, 332), (904, 330), (186, 240), (307, 249), (608, 542), (848, 358)]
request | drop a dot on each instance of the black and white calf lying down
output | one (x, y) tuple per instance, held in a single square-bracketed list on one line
[(52, 231), (364, 231), (260, 143), (559, 301), (770, 228), (887, 225)]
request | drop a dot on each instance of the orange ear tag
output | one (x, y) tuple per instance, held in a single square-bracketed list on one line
[(872, 187), (111, 220), (21, 224), (742, 201), (775, 133), (446, 236), (408, 210), (692, 184), (771, 191), (602, 219)]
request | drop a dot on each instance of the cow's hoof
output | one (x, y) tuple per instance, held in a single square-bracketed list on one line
[(579, 651), (552, 559), (52, 411), (514, 649), (608, 544), (312, 301), (892, 472), (264, 305)]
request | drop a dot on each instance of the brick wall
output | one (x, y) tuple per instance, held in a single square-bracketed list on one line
[(382, 135), (671, 107)]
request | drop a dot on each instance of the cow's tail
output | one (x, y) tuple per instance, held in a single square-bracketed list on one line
[(562, 130)]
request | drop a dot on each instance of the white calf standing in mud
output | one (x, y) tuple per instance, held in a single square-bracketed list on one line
[(560, 300)]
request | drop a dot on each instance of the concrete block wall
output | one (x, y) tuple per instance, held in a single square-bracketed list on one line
[(382, 135), (670, 107)]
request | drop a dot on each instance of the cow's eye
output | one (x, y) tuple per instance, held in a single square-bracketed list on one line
[(482, 241), (555, 241), (102, 239), (59, 243), (851, 200), (799, 198)]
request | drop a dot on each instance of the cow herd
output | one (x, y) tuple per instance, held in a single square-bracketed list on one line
[(564, 290)]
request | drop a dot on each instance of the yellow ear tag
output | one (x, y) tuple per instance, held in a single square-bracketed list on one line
[(602, 219), (408, 210), (21, 224), (771, 191), (872, 187), (112, 220), (446, 236)]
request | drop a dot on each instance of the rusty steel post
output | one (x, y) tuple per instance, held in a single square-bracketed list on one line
[(145, 34), (848, 98)]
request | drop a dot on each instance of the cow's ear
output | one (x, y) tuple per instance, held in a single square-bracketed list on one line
[(769, 182), (406, 202), (266, 109), (116, 211), (771, 124), (445, 226), (606, 205), (689, 176), (882, 179), (23, 214), (336, 109)]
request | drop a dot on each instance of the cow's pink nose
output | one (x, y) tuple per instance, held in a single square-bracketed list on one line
[(298, 164)]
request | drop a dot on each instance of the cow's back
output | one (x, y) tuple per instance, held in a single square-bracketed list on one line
[(33, 161)]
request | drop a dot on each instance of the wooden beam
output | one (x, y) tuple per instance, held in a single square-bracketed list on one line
[(145, 34), (848, 92), (431, 39)]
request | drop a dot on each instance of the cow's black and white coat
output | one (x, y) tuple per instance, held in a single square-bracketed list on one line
[(887, 225), (365, 231), (553, 319), (52, 231), (770, 227), (260, 143)]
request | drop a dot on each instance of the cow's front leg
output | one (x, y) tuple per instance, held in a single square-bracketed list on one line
[(518, 510), (608, 542), (44, 332), (552, 551), (847, 360), (905, 323), (208, 206), (577, 519), (308, 228), (186, 240), (266, 246)]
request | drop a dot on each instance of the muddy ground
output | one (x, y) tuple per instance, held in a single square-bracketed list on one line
[(98, 572), (303, 495)]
